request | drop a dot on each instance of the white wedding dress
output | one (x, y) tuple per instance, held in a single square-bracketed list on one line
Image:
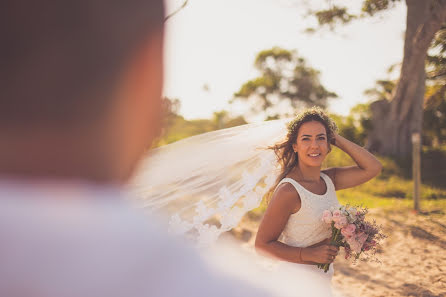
[(305, 228)]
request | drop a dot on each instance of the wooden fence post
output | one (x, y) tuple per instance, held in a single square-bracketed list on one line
[(416, 169)]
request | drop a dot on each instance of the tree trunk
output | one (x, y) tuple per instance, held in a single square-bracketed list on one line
[(394, 122)]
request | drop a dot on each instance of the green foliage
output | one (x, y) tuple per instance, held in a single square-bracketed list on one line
[(178, 128), (333, 16), (356, 125), (237, 121), (284, 77), (175, 127), (221, 119), (169, 109), (434, 122), (336, 15), (277, 53), (382, 90), (436, 61), (371, 7), (372, 201)]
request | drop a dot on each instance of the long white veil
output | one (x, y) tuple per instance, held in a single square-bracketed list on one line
[(206, 183)]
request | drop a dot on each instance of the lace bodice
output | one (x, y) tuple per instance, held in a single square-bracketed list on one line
[(305, 227)]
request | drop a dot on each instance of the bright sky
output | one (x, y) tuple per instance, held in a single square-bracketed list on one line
[(214, 43)]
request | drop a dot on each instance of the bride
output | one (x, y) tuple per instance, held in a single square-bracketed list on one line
[(206, 183), (291, 229)]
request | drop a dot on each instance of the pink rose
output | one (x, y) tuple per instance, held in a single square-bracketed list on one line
[(326, 216), (342, 222), (348, 231), (351, 228), (336, 215)]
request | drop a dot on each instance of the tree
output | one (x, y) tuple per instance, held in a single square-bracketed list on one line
[(219, 119), (434, 115), (222, 119), (176, 127), (170, 109), (395, 120), (284, 78)]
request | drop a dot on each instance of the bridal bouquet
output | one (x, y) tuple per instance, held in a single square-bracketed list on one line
[(351, 231)]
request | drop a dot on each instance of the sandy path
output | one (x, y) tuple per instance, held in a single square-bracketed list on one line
[(413, 257)]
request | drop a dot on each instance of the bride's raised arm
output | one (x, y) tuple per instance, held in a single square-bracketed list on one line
[(367, 165)]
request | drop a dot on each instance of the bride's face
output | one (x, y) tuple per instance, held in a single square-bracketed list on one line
[(311, 144)]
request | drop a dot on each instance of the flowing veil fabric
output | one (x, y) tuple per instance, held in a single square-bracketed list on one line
[(206, 183)]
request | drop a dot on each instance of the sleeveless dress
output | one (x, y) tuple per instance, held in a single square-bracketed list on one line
[(305, 228)]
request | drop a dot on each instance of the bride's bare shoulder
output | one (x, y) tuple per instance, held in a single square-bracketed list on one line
[(286, 196)]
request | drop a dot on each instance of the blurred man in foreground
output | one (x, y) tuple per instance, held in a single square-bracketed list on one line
[(80, 88)]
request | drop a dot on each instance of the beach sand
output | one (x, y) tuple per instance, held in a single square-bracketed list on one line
[(413, 257)]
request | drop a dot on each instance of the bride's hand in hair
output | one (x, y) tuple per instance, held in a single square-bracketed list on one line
[(334, 139), (367, 166)]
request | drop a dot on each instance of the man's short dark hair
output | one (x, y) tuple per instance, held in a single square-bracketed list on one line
[(59, 59)]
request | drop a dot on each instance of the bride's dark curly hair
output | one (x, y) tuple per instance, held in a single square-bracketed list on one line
[(286, 157)]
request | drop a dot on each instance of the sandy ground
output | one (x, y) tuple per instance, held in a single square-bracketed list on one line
[(413, 257)]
